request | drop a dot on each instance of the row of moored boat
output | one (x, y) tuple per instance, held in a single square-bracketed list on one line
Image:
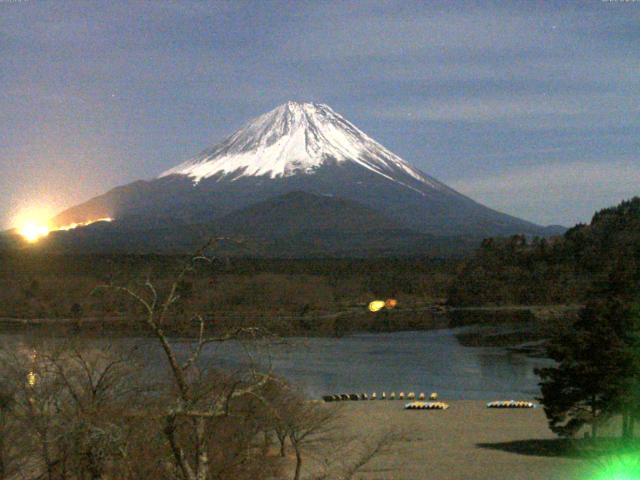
[(510, 404), (374, 396)]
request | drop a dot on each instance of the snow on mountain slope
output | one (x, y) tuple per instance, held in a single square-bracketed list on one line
[(297, 138), (297, 147)]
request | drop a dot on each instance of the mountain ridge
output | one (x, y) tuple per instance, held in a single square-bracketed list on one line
[(293, 225), (303, 147)]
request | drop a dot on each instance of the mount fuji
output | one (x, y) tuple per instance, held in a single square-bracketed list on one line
[(303, 159)]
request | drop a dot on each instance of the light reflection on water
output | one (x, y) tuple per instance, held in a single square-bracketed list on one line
[(423, 361)]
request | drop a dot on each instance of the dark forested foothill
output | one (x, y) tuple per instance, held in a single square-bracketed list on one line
[(559, 270)]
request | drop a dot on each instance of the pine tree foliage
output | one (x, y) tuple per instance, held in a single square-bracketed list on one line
[(565, 269)]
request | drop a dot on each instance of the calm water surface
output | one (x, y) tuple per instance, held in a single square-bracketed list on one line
[(422, 361)]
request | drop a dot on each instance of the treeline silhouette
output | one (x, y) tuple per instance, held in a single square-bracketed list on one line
[(559, 270)]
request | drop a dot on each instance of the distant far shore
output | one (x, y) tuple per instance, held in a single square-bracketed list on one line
[(519, 326)]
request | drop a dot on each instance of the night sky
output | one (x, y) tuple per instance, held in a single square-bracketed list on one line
[(528, 107)]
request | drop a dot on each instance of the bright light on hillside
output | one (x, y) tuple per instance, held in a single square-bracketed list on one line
[(32, 232), (84, 224)]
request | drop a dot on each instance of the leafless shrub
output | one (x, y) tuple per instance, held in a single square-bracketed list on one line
[(197, 408), (69, 411), (357, 456), (67, 402)]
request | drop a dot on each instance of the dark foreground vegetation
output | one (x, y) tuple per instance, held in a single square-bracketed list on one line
[(71, 412)]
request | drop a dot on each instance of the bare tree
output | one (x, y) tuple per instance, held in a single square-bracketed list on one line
[(302, 423), (356, 456), (7, 430), (68, 404), (194, 404), (72, 412), (309, 424)]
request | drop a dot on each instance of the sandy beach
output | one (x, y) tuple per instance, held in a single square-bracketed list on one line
[(467, 441)]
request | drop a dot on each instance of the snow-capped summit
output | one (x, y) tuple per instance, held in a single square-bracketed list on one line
[(296, 138)]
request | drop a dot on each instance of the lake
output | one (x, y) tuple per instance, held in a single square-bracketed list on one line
[(420, 361)]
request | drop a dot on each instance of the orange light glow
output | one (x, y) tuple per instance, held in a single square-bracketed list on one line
[(33, 231), (391, 303), (83, 224)]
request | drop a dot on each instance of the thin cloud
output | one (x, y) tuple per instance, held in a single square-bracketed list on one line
[(558, 192), (527, 111), (442, 84)]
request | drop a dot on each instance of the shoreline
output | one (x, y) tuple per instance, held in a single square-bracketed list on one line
[(522, 329)]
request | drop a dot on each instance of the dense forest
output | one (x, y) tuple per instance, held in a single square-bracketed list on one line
[(288, 296), (559, 270)]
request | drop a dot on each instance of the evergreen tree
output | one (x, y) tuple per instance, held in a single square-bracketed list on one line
[(595, 368), (628, 400)]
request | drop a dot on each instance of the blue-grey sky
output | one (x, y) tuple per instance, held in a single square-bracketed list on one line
[(529, 107)]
